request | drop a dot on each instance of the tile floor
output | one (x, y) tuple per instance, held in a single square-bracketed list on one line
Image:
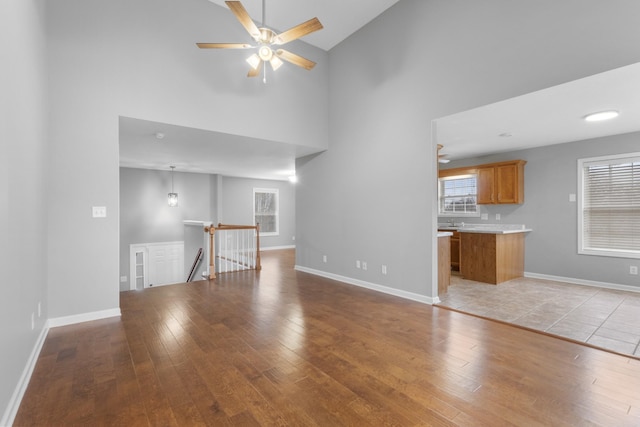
[(603, 318)]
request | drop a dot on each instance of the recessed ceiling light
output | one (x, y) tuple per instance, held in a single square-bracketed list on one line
[(601, 115), (159, 135), (506, 135)]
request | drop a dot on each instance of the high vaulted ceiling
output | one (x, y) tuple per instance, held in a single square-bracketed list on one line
[(546, 117), (202, 151), (340, 18)]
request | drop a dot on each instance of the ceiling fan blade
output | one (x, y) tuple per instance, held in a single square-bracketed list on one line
[(255, 72), (298, 31), (223, 45), (295, 59), (243, 16)]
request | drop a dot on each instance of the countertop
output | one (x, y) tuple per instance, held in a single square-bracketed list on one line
[(444, 233), (485, 228)]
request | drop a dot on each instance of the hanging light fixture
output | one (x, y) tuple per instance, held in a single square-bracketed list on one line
[(173, 197)]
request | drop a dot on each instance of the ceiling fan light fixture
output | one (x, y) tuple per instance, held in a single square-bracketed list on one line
[(275, 63), (254, 60), (265, 53), (601, 115)]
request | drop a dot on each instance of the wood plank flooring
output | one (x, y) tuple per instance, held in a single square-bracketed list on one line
[(281, 347)]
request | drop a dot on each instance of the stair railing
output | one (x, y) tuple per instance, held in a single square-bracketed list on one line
[(236, 248)]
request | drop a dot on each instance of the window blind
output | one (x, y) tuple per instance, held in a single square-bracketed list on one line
[(458, 194), (611, 204)]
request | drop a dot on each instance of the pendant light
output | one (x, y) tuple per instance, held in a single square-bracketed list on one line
[(173, 197)]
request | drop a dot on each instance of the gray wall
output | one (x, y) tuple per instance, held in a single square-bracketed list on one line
[(372, 194), (145, 216), (23, 211), (139, 59), (550, 176), (237, 207)]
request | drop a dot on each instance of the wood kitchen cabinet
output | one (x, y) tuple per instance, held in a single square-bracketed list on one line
[(444, 264), (454, 255), (501, 183), (492, 258)]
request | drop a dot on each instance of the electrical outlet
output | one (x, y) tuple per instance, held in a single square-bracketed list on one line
[(484, 216), (357, 263), (364, 265), (123, 279), (633, 270), (99, 211), (324, 258), (384, 269), (497, 217)]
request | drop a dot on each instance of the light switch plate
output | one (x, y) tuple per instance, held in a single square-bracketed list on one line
[(572, 197), (484, 216)]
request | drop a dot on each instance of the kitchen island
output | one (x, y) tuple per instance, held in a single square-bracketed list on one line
[(491, 253)]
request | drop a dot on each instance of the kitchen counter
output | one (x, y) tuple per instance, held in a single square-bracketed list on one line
[(486, 228), (445, 233)]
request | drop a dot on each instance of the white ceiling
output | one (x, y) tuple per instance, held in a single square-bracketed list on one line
[(202, 151), (340, 18), (550, 116)]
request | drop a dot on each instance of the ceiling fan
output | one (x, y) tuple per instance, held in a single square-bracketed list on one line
[(267, 40), (441, 157)]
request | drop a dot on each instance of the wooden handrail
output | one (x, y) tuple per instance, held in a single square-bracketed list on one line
[(236, 227)]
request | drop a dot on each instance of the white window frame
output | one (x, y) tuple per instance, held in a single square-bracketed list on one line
[(277, 213), (603, 160), (457, 214)]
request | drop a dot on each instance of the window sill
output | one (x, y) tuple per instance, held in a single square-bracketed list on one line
[(610, 253)]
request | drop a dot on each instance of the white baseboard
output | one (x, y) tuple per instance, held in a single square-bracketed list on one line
[(583, 282), (374, 287), (14, 403), (84, 317), (275, 248)]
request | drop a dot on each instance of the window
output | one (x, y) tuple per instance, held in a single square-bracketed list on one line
[(458, 195), (609, 208), (265, 210)]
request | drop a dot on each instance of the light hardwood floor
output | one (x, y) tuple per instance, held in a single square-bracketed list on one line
[(282, 347)]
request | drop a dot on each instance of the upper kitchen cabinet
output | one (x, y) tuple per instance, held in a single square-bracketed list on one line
[(501, 183)]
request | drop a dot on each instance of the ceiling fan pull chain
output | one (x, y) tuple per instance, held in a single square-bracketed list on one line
[(264, 72)]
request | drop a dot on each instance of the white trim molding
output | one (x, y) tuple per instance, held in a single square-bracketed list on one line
[(275, 248), (583, 282), (372, 286), (84, 317), (16, 398)]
